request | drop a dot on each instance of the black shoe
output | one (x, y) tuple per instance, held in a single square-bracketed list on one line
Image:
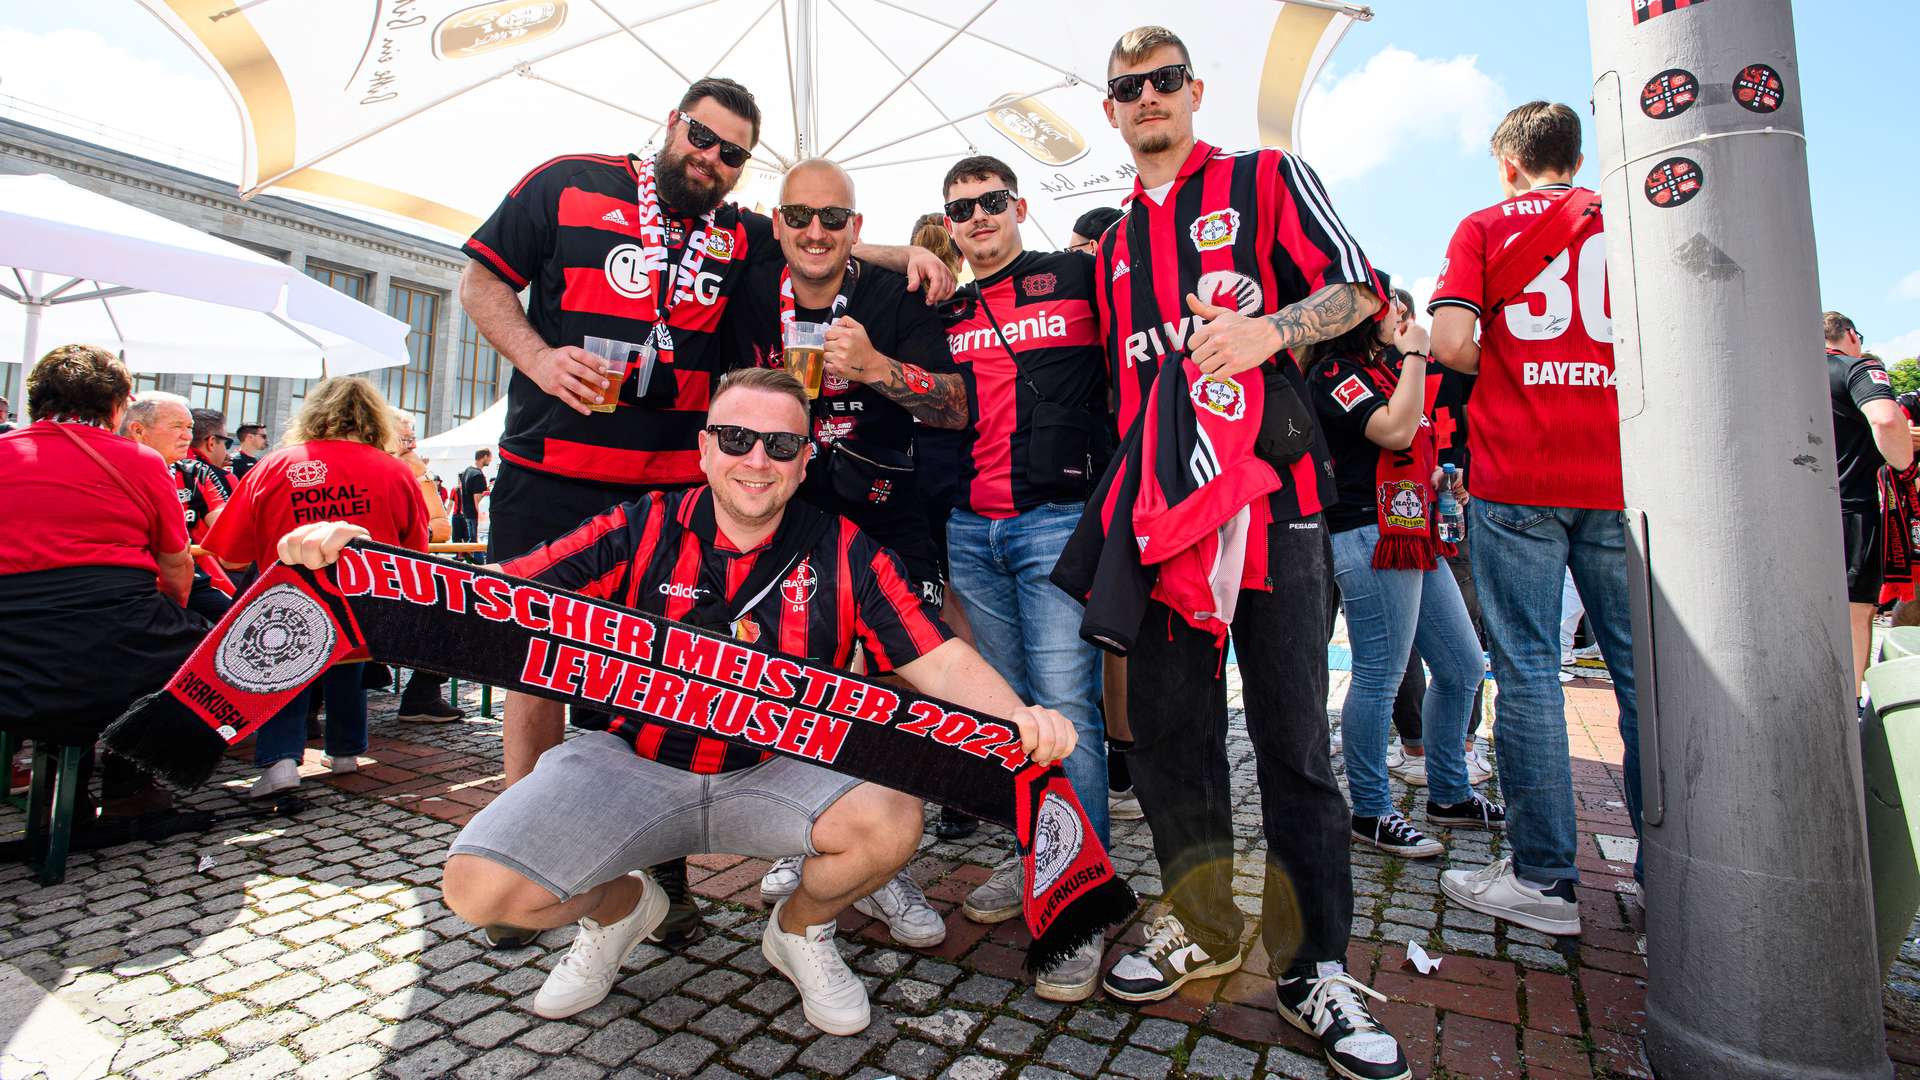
[(1332, 1007), (1394, 834), (375, 675), (430, 711), (684, 923), (508, 937), (954, 825), (1478, 812)]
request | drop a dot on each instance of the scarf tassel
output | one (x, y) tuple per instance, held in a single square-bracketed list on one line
[(1403, 553)]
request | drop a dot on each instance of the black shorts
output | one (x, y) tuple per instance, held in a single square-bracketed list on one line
[(529, 508), (1860, 532)]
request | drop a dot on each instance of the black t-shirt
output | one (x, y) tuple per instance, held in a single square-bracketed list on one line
[(570, 234), (473, 484), (241, 463), (903, 328), (1851, 383), (1345, 395), (1448, 392)]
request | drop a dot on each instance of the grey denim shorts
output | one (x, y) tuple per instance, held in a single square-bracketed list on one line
[(593, 810)]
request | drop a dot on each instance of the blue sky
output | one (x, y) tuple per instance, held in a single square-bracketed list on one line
[(1420, 86)]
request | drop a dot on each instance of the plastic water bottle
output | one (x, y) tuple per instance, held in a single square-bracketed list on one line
[(1453, 523)]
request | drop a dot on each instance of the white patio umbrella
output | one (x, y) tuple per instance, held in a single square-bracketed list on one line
[(430, 110), (81, 267)]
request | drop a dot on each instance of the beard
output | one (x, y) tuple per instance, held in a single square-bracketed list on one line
[(1157, 143), (683, 190)]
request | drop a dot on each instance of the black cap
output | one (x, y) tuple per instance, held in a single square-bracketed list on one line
[(1095, 222)]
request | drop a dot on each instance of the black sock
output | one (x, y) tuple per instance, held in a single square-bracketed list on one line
[(1119, 777)]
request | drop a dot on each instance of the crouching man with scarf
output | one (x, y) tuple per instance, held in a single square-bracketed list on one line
[(569, 843)]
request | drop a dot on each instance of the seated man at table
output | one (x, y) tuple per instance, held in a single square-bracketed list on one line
[(569, 843)]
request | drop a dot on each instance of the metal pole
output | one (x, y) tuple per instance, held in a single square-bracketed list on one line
[(806, 88), (36, 308), (1760, 935)]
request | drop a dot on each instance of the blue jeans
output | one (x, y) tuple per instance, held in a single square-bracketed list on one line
[(1520, 556), (1029, 630), (284, 738), (1388, 613)]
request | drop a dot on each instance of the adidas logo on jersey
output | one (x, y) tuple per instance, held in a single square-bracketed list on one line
[(1119, 270), (614, 215)]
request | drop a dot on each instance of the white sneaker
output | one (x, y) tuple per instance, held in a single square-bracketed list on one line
[(1409, 769), (585, 976), (1071, 979), (282, 775), (782, 879), (340, 765), (1479, 769), (997, 899), (1123, 806), (900, 904), (1497, 891), (1588, 652), (831, 997)]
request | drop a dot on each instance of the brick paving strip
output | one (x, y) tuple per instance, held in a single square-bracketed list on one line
[(317, 946)]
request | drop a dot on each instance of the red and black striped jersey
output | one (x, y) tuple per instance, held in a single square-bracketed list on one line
[(202, 491), (570, 233), (1252, 231), (664, 554), (1038, 309)]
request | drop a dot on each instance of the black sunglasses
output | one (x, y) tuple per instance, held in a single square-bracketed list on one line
[(732, 155), (993, 202), (1165, 80), (737, 441), (799, 216)]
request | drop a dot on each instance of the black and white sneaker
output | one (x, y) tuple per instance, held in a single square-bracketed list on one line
[(1331, 1006), (1478, 812), (1164, 964), (1395, 835)]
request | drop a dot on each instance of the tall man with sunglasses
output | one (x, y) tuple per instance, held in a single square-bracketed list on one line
[(886, 368), (1224, 263), (644, 251), (1027, 342)]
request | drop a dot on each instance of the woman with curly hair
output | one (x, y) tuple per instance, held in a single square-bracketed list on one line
[(336, 464)]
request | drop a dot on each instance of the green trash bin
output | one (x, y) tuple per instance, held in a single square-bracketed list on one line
[(1890, 766)]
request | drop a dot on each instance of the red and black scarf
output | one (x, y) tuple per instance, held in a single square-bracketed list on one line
[(1899, 531), (389, 604), (1403, 492)]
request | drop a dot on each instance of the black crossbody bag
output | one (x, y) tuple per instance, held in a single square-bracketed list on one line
[(1062, 439)]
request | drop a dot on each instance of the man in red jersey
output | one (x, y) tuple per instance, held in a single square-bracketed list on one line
[(1224, 263), (1545, 442)]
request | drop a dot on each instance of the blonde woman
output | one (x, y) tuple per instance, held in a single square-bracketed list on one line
[(333, 466)]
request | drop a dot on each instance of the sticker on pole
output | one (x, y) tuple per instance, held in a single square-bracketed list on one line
[(1669, 94), (1675, 181), (1758, 88), (1648, 9)]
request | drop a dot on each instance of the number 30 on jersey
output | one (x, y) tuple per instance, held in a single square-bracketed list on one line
[(1556, 297)]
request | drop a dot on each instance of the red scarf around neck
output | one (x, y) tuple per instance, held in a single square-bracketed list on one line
[(1403, 492)]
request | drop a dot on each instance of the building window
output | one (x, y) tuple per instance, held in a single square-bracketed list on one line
[(408, 388), (237, 396), (352, 282), (13, 380), (144, 381), (482, 376)]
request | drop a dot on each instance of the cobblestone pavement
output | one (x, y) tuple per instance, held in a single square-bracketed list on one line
[(317, 946)]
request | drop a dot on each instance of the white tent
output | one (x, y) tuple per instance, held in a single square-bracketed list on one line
[(82, 267), (452, 450), (430, 110)]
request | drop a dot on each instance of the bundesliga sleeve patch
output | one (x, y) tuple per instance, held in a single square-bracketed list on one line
[(1351, 391), (1879, 375)]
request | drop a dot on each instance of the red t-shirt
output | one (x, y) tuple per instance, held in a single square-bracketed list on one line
[(323, 480), (64, 510), (1546, 419)]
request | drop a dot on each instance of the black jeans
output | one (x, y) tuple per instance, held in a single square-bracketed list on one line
[(1178, 701), (1413, 687)]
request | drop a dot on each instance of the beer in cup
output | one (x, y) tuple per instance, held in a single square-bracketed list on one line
[(806, 354), (613, 356)]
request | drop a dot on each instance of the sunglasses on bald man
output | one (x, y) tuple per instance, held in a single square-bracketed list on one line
[(799, 215)]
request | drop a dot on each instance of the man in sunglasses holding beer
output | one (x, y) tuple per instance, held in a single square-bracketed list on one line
[(1225, 457), (570, 843), (642, 253), (874, 361)]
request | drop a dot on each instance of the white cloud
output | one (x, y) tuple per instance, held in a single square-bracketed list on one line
[(1397, 102), (1909, 287), (1900, 348), (77, 82)]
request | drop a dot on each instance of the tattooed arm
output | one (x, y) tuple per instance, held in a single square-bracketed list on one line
[(935, 399), (1230, 343)]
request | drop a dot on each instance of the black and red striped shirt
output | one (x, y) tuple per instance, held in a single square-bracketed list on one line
[(1039, 308), (1253, 231), (567, 232), (664, 553)]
